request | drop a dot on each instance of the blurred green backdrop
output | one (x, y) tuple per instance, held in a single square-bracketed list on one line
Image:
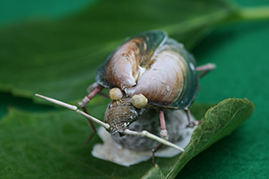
[(240, 52)]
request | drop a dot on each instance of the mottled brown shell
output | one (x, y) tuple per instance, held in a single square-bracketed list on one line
[(153, 65), (120, 114)]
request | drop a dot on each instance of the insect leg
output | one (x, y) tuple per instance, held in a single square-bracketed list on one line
[(107, 126), (163, 134), (84, 103), (88, 98), (93, 87), (155, 150), (191, 122), (205, 69)]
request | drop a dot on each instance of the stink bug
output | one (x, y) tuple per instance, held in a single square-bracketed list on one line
[(148, 74)]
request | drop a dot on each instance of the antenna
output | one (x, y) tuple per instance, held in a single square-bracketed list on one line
[(107, 126)]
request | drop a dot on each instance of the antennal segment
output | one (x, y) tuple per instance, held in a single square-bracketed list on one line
[(154, 137), (74, 108)]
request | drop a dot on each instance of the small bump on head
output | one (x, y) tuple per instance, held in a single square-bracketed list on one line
[(139, 101), (115, 94)]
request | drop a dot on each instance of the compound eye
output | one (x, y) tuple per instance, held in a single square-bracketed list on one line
[(139, 101), (115, 94)]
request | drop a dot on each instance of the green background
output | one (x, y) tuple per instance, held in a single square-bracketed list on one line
[(240, 52)]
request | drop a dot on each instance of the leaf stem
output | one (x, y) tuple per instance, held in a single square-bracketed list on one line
[(253, 14)]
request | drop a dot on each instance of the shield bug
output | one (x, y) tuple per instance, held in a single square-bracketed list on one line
[(148, 75)]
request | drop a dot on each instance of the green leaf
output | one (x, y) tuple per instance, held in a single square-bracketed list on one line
[(219, 121), (60, 58), (52, 145), (154, 172)]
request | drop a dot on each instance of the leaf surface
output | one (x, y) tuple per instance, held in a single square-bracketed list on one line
[(52, 145), (219, 122), (60, 58)]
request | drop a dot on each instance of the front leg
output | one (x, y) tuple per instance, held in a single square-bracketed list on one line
[(84, 103), (93, 87), (163, 135), (190, 121)]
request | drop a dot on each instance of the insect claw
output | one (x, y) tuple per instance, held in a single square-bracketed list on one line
[(194, 123)]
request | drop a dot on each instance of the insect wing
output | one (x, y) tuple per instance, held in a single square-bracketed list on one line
[(171, 80), (124, 66), (153, 65)]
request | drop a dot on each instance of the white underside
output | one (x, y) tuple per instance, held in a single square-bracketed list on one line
[(113, 152)]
